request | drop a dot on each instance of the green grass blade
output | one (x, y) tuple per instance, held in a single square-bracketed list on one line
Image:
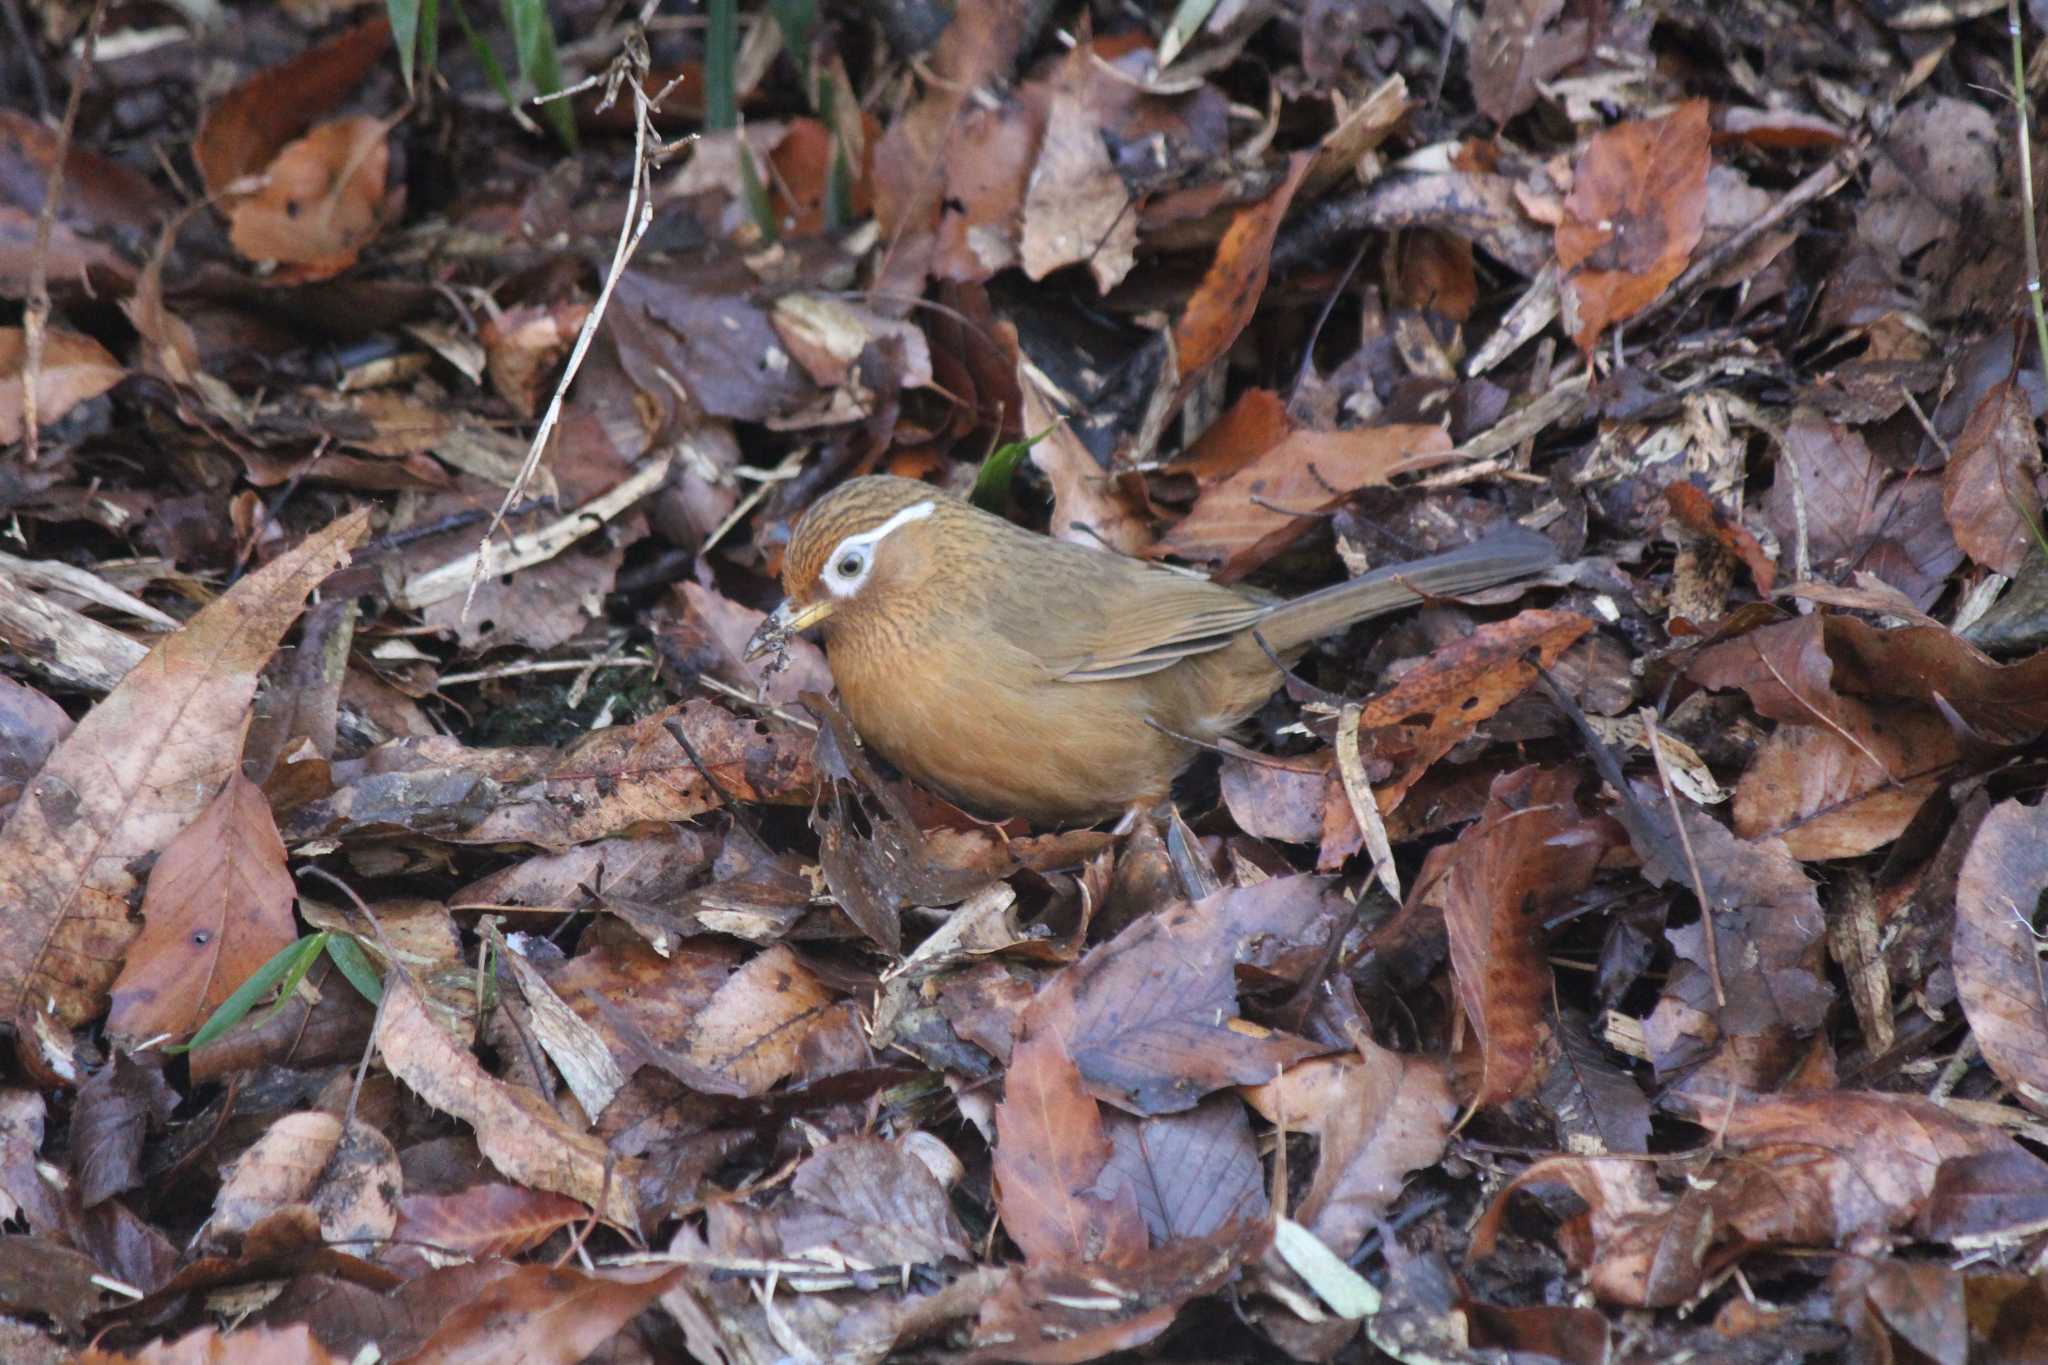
[(721, 60), (540, 64), (405, 34), (290, 961), (354, 963), (992, 483)]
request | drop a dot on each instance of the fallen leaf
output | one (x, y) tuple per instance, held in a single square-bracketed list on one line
[(320, 203), (1997, 947), (1990, 488), (1531, 851), (1376, 1115), (75, 368), (1636, 210), (515, 1128), (244, 130), (1050, 1151), (486, 1221), (218, 906), (139, 768), (754, 1024), (1221, 306)]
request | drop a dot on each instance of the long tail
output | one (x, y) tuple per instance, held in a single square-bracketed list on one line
[(1512, 552)]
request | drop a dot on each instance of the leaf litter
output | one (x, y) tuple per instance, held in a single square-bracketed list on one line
[(1641, 963)]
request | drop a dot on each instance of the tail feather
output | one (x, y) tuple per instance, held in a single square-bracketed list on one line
[(1510, 553)]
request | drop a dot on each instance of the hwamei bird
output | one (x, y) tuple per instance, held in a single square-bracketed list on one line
[(1020, 675)]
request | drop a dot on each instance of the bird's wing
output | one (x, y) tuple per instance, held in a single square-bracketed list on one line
[(1161, 618)]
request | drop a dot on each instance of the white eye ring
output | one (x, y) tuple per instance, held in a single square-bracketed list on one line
[(851, 560)]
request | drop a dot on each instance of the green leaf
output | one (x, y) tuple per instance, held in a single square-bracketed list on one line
[(759, 205), (797, 19), (430, 37), (540, 65), (352, 962), (721, 60), (493, 73), (992, 484), (405, 34), (289, 963)]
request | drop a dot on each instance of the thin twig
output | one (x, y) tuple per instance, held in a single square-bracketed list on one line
[(544, 666), (37, 314), (2019, 95), (633, 225)]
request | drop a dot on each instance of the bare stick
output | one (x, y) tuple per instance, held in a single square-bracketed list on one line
[(2019, 95)]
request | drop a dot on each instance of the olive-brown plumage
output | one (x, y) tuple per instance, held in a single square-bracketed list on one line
[(1021, 675)]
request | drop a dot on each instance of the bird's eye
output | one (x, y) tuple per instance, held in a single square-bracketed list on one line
[(850, 565)]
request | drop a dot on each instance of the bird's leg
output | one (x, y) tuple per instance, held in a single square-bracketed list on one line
[(1144, 880)]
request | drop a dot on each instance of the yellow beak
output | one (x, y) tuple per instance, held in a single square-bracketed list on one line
[(786, 620)]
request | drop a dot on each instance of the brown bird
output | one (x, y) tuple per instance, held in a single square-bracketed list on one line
[(1021, 675)]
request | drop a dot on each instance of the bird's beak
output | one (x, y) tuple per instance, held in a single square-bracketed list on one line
[(786, 620)]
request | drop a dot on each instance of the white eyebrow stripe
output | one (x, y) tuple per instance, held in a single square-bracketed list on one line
[(914, 512), (861, 540)]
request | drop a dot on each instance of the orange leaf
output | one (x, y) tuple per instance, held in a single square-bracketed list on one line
[(1637, 208), (75, 368)]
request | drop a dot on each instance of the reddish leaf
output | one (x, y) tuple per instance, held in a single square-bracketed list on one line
[(1050, 1152), (1637, 208), (321, 201), (487, 1220), (1531, 851), (218, 906), (1229, 293), (1275, 497), (517, 1129), (543, 1315), (245, 130), (1991, 487)]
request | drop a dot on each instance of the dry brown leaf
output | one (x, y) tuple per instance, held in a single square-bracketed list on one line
[(1076, 208), (757, 1020), (281, 1168), (523, 1137), (75, 368), (1279, 495), (1229, 294), (1637, 208), (1530, 852), (1991, 490), (243, 132), (1050, 1151), (1377, 1115), (321, 200), (289, 1345), (490, 1220), (218, 906), (1151, 1017), (1998, 961), (138, 769), (543, 1315)]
